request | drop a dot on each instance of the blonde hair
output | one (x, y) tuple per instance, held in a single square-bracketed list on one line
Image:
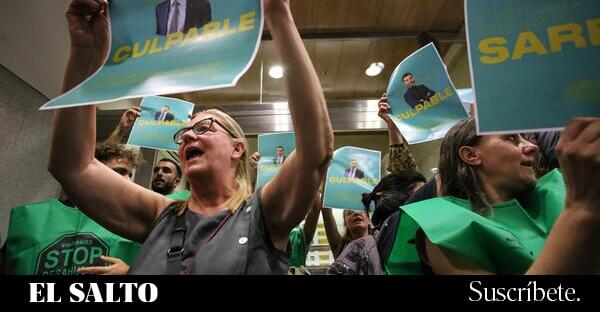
[(243, 185)]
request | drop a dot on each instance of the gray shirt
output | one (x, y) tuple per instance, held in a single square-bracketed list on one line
[(241, 246)]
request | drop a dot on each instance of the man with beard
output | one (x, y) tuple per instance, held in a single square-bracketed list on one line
[(415, 94), (166, 176)]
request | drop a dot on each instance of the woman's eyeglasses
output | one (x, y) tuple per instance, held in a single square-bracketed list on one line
[(199, 128)]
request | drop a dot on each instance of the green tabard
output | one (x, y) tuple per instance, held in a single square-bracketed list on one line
[(298, 247), (50, 238), (183, 195), (506, 241)]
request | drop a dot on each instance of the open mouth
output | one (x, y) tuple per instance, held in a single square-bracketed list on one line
[(527, 163), (357, 219), (193, 152)]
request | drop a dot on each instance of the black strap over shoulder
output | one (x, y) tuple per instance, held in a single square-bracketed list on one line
[(175, 252)]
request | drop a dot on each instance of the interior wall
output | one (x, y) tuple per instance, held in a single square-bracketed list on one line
[(25, 141)]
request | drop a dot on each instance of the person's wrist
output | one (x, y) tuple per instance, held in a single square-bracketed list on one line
[(277, 7), (86, 52), (86, 58), (278, 11)]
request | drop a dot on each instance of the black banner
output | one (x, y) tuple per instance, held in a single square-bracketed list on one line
[(354, 292)]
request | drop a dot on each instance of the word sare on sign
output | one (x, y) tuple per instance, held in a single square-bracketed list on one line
[(495, 50)]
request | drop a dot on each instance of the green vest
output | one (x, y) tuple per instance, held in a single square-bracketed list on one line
[(298, 247), (50, 238), (506, 241), (183, 195)]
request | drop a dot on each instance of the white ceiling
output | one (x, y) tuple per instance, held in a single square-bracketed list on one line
[(34, 42)]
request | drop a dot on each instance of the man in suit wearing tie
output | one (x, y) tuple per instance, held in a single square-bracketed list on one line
[(164, 114), (181, 15), (353, 172), (280, 158)]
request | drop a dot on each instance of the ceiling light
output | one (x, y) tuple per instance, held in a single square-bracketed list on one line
[(276, 72), (374, 69)]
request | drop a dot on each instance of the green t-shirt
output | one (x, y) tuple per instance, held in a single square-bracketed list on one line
[(50, 238), (506, 241), (298, 247)]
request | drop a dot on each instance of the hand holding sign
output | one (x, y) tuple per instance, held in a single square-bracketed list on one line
[(384, 109), (254, 159), (129, 117), (578, 150), (89, 30), (143, 50), (88, 24)]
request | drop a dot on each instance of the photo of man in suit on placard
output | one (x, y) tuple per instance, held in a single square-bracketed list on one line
[(353, 171), (415, 94), (181, 15), (280, 158), (164, 114)]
